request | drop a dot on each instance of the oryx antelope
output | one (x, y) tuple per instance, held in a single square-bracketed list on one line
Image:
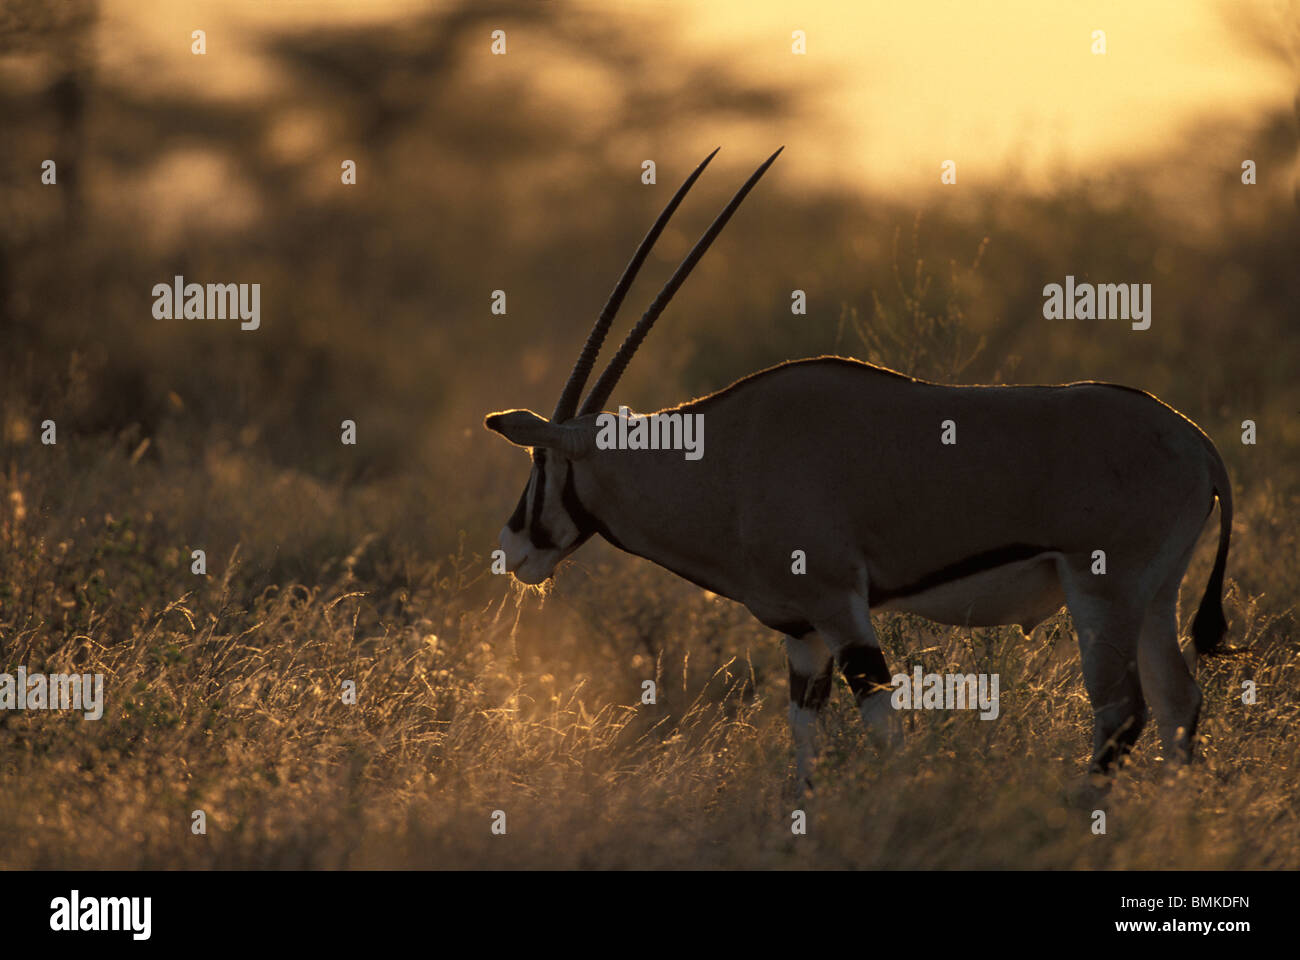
[(844, 461)]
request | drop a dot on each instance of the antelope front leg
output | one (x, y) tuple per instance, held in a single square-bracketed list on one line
[(853, 640), (811, 664)]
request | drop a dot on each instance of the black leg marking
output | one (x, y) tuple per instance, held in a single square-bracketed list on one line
[(1118, 727), (1119, 745), (865, 669), (811, 692), (1129, 735)]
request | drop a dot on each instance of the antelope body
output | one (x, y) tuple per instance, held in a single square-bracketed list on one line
[(844, 461)]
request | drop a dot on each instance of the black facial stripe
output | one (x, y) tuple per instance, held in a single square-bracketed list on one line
[(582, 519), (537, 533), (516, 521)]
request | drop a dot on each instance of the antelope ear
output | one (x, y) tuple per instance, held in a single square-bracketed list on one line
[(523, 428), (526, 429)]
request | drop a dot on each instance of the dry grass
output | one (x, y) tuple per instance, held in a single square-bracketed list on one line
[(330, 563), (224, 694)]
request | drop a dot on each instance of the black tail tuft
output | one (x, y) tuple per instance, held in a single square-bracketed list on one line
[(1209, 625)]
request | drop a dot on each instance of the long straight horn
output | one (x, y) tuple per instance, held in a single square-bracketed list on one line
[(587, 359), (609, 378)]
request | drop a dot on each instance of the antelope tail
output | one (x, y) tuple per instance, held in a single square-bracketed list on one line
[(1209, 625)]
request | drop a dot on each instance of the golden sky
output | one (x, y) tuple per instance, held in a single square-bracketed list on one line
[(899, 86)]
